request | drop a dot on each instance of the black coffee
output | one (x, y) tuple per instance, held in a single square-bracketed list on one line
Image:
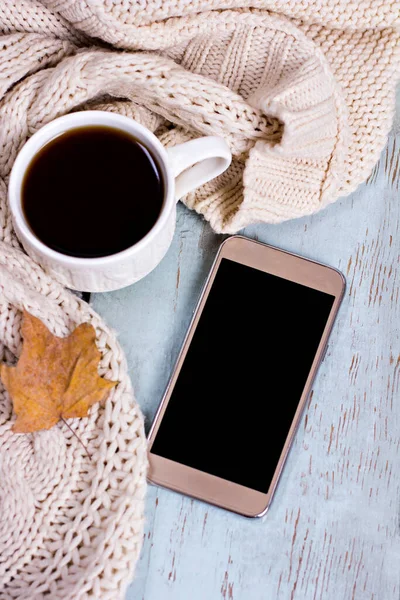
[(92, 191)]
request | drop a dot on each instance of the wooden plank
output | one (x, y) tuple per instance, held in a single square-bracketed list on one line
[(333, 529)]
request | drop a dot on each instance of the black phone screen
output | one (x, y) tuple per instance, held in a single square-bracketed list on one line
[(239, 386)]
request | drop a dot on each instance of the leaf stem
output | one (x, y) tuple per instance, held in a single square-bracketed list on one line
[(77, 436)]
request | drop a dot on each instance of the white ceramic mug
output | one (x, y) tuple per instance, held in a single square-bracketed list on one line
[(184, 168)]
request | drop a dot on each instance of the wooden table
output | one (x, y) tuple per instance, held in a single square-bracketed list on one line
[(332, 532)]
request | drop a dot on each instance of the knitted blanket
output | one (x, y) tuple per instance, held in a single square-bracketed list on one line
[(305, 98), (71, 527), (303, 91)]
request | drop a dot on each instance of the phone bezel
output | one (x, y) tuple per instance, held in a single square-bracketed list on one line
[(201, 485)]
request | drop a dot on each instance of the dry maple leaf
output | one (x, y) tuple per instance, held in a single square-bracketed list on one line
[(55, 378)]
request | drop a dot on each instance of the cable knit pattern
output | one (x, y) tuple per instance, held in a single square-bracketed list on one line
[(302, 90), (71, 528), (304, 99)]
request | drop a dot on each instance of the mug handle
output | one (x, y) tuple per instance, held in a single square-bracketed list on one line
[(198, 161)]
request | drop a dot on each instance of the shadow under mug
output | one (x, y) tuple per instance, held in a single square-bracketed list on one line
[(183, 167)]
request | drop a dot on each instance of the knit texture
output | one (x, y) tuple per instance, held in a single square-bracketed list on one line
[(71, 527), (305, 99), (303, 92)]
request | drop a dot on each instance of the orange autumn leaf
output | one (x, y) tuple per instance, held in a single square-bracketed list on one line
[(55, 377)]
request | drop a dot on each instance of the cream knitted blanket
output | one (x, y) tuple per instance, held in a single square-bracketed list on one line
[(303, 91), (70, 528), (305, 99)]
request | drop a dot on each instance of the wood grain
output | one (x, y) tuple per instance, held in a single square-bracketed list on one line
[(333, 530)]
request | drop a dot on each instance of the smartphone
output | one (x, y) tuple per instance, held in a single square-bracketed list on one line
[(235, 398)]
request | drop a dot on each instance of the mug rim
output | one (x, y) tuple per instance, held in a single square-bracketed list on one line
[(67, 123)]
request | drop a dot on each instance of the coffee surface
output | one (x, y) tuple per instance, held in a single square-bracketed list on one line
[(92, 191)]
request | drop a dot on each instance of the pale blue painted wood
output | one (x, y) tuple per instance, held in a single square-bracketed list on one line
[(333, 529)]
